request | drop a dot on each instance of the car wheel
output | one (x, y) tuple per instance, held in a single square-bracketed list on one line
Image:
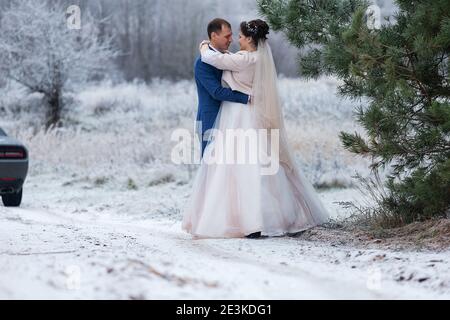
[(12, 200)]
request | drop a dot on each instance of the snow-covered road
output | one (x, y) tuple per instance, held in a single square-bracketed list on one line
[(63, 245)]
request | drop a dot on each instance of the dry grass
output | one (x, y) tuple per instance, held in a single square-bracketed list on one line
[(429, 235)]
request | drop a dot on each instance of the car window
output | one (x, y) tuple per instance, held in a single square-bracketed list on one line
[(2, 133)]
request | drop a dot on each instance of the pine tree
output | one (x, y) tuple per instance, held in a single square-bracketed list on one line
[(400, 74)]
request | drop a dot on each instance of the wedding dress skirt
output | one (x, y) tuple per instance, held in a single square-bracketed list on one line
[(234, 200)]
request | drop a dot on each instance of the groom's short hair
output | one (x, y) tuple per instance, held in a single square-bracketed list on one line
[(216, 26)]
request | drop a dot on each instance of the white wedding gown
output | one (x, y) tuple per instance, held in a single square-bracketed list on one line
[(234, 200)]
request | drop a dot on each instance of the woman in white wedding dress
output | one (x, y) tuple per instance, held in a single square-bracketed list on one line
[(234, 199)]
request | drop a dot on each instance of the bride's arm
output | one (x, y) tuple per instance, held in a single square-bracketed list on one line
[(225, 61)]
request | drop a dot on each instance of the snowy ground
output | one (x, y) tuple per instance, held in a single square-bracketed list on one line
[(101, 216), (72, 239)]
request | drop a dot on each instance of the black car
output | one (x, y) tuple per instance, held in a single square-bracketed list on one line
[(13, 170)]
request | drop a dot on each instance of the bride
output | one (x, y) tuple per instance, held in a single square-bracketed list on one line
[(235, 199)]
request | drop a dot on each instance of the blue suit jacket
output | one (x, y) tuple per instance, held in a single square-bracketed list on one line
[(210, 95)]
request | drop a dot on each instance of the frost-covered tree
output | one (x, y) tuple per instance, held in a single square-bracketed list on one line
[(159, 38), (40, 51)]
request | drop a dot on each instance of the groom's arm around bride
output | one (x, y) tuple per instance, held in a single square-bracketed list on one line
[(209, 78)]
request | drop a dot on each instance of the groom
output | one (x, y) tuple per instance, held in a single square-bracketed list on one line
[(208, 79)]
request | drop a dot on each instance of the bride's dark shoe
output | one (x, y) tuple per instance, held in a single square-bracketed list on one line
[(296, 234), (255, 235)]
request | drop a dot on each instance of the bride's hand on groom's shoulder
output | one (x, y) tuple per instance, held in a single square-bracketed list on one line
[(203, 43)]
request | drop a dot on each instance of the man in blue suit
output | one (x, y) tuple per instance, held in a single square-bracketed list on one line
[(209, 81)]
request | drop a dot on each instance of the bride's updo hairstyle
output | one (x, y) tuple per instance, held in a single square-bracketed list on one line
[(257, 29)]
